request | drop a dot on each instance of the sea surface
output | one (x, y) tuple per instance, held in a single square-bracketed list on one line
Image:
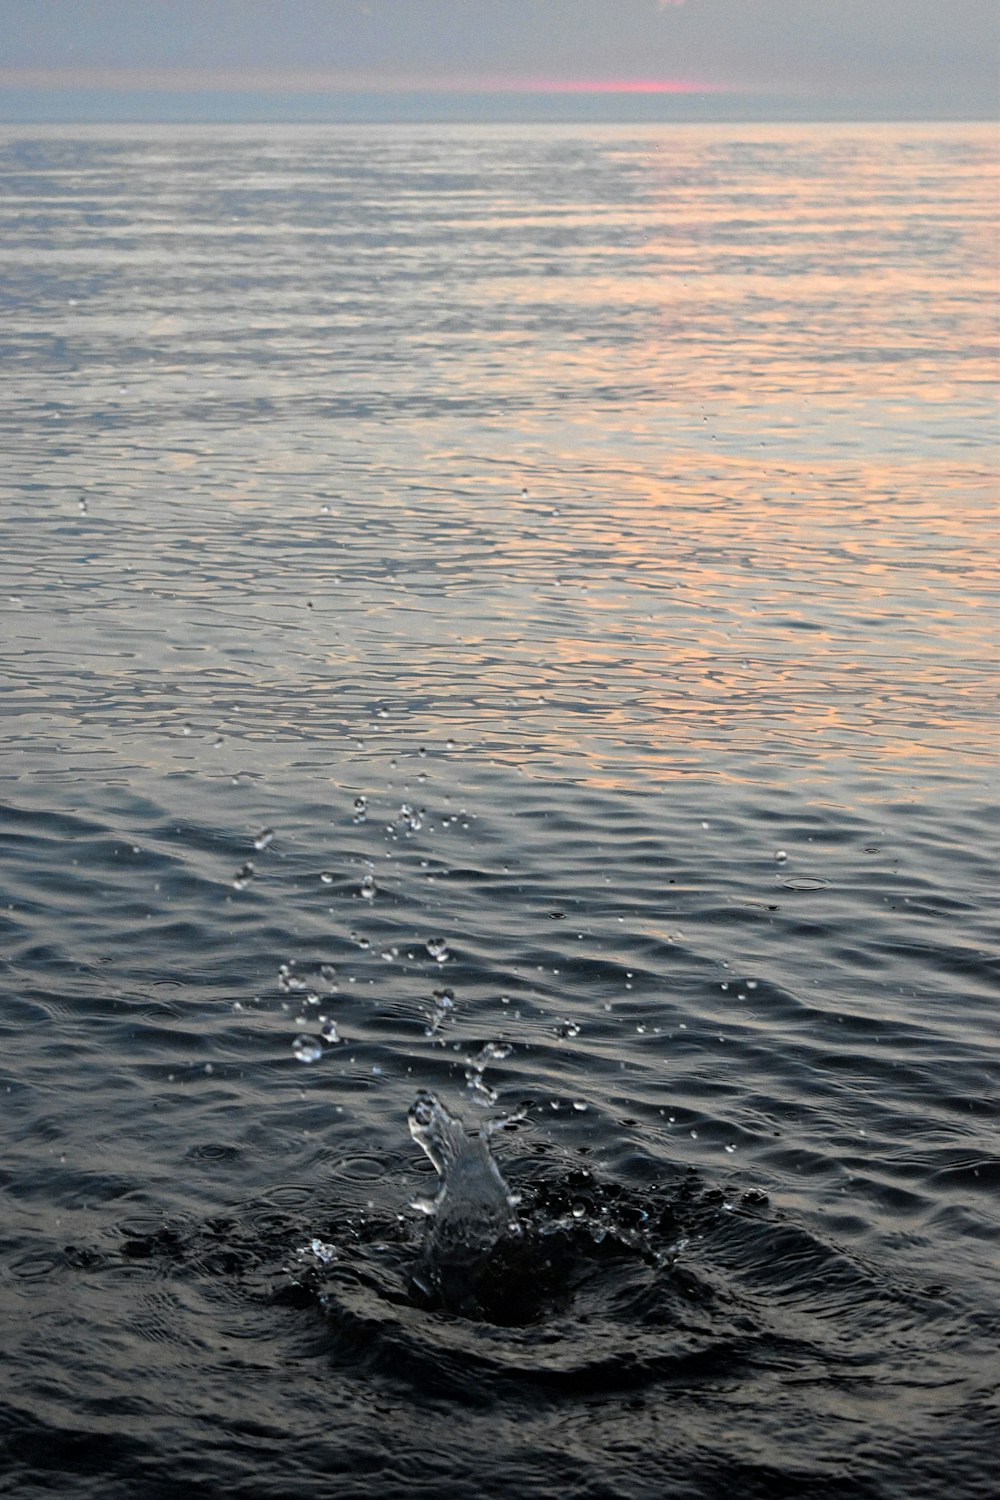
[(509, 615)]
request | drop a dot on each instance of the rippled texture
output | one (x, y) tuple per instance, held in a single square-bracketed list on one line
[(509, 613)]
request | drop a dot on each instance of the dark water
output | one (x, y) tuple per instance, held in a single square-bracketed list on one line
[(578, 547)]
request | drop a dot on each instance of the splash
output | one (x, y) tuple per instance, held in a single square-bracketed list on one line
[(473, 1209)]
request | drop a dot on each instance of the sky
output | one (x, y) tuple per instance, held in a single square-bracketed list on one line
[(505, 59)]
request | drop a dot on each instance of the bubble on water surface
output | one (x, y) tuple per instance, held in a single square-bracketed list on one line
[(263, 839), (243, 877), (329, 1033), (326, 877), (360, 809), (368, 888), (308, 1049), (438, 949)]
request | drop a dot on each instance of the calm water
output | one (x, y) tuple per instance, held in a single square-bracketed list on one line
[(510, 613)]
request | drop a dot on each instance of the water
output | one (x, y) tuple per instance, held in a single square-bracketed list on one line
[(508, 614), (472, 1214)]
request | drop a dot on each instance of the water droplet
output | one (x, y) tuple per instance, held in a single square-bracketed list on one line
[(307, 1049), (289, 981), (449, 744), (243, 877), (360, 809), (476, 1067), (566, 1029), (579, 1210), (326, 877), (185, 729), (368, 888), (781, 855), (320, 1251), (438, 949), (329, 1033), (411, 818), (263, 838), (440, 1010), (579, 1106)]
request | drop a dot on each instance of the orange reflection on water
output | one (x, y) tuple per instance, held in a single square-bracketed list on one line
[(842, 612), (771, 493)]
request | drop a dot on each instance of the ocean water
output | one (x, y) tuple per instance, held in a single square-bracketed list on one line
[(508, 614)]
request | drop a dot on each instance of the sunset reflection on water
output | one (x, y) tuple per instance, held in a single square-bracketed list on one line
[(631, 454)]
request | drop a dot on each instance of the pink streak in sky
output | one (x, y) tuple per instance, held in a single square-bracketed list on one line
[(605, 86), (326, 80)]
